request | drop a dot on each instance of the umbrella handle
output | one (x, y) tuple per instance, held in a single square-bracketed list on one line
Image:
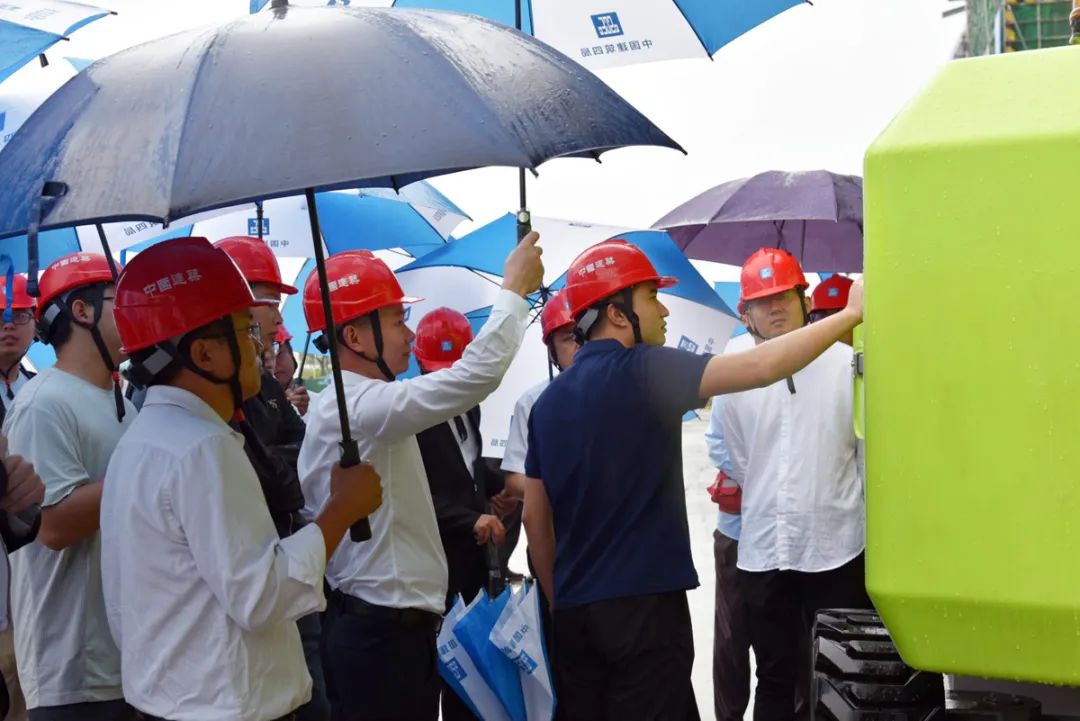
[(524, 223), (350, 456)]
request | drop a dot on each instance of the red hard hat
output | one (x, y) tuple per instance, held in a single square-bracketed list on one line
[(359, 284), (175, 287), (555, 315), (283, 336), (769, 271), (20, 299), (69, 272), (441, 337), (255, 260), (606, 268), (832, 293)]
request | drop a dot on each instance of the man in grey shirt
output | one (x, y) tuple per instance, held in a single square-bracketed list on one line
[(65, 422)]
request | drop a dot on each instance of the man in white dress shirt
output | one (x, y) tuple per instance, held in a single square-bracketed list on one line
[(793, 447), (202, 595), (390, 591)]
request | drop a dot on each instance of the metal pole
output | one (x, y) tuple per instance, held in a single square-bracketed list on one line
[(259, 218), (303, 360), (524, 221), (350, 452), (108, 252)]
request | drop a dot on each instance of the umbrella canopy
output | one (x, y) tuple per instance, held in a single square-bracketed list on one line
[(30, 27), (427, 93), (624, 32), (815, 215)]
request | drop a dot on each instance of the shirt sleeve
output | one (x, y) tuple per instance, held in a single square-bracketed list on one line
[(517, 440), (46, 434), (258, 578), (714, 438), (672, 378), (733, 442), (532, 452), (392, 411)]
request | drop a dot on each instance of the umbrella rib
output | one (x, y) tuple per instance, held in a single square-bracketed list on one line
[(187, 114)]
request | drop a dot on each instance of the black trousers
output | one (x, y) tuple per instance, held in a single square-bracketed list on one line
[(117, 710), (731, 635), (781, 607), (381, 662), (626, 658)]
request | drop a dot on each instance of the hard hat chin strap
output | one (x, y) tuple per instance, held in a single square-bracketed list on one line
[(806, 321), (142, 374), (376, 333), (623, 300), (96, 299)]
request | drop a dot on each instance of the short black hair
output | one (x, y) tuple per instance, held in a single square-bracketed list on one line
[(60, 328)]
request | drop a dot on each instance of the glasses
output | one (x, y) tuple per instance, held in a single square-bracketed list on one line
[(22, 317), (254, 331)]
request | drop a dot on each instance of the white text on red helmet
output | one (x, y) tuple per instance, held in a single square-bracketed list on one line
[(602, 263), (344, 282), (168, 282), (72, 260)]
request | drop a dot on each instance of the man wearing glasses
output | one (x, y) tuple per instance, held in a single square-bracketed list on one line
[(67, 421)]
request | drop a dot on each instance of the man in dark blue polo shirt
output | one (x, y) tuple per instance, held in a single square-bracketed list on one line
[(608, 533)]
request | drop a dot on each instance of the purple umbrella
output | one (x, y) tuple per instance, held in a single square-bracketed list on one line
[(815, 215)]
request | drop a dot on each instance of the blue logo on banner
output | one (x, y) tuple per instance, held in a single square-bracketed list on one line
[(253, 227), (455, 669), (3, 117), (687, 344), (607, 25), (408, 312)]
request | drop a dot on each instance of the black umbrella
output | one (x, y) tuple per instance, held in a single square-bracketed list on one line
[(301, 100)]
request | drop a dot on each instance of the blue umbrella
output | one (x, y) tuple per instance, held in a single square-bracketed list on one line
[(623, 32), (417, 217), (31, 27), (426, 93)]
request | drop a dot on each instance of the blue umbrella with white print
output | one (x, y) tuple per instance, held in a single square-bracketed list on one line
[(466, 275), (30, 27), (611, 33)]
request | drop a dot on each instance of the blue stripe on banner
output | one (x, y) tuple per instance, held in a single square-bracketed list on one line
[(718, 22)]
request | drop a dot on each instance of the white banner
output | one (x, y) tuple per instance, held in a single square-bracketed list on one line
[(609, 33)]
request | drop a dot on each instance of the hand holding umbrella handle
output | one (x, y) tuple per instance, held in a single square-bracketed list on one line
[(350, 456)]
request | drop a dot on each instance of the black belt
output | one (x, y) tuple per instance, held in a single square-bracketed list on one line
[(146, 717), (402, 616)]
